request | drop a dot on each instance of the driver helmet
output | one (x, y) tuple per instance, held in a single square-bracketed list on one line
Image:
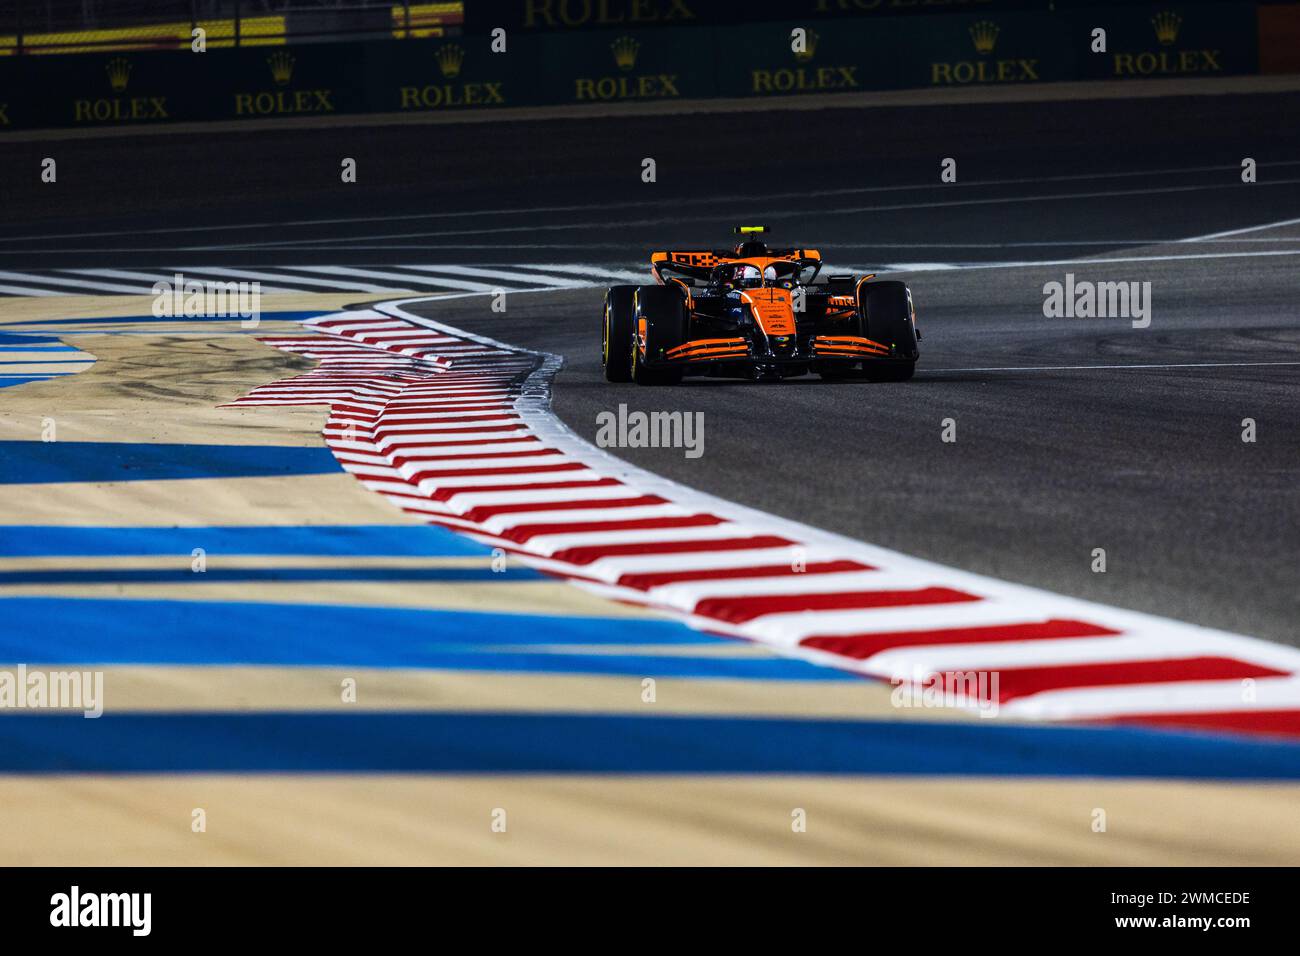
[(747, 277)]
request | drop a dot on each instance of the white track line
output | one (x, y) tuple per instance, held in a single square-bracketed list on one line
[(19, 290), (336, 285), (504, 274), (400, 277), (153, 278), (1239, 232), (71, 283), (1085, 368), (1042, 263)]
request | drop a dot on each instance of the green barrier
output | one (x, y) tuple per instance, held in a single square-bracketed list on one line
[(1011, 48), (447, 74), (1168, 40), (992, 48), (160, 87), (256, 82), (285, 81), (106, 89), (995, 50), (761, 59), (615, 66)]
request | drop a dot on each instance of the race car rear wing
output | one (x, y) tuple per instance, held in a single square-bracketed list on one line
[(699, 265)]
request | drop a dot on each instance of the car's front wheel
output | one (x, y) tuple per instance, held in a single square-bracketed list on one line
[(887, 316), (660, 315)]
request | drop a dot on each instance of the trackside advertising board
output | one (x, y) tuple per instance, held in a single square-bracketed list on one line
[(1168, 40), (996, 45), (614, 66), (447, 74), (850, 55), (560, 16), (763, 59)]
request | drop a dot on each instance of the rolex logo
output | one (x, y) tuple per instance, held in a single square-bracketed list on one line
[(281, 64), (1166, 25), (450, 58), (984, 35), (119, 72), (810, 47), (625, 51)]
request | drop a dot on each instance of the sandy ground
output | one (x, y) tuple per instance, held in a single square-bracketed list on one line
[(640, 821)]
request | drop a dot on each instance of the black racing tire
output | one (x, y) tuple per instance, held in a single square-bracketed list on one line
[(888, 317), (616, 327), (663, 310)]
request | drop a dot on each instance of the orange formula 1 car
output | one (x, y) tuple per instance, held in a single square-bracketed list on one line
[(756, 312)]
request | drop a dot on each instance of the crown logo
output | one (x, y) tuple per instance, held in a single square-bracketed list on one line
[(1166, 25), (625, 51), (281, 64), (984, 35), (809, 48), (450, 58), (119, 72)]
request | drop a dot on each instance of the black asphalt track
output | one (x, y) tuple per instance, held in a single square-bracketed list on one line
[(1049, 463)]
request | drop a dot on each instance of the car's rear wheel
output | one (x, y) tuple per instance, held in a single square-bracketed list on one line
[(616, 329), (660, 315), (888, 317)]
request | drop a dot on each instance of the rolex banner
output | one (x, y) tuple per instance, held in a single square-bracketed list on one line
[(783, 59), (447, 74), (992, 45), (310, 80), (1169, 40), (618, 66), (987, 50), (104, 89), (136, 88)]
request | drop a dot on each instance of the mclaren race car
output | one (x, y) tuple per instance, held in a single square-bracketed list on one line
[(757, 313)]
